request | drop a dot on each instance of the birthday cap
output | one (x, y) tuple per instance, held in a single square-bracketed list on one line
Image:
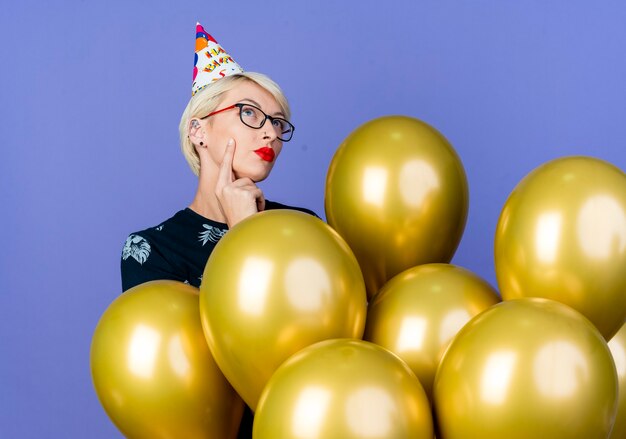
[(211, 62)]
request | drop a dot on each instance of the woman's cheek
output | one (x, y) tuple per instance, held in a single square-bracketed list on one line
[(278, 148)]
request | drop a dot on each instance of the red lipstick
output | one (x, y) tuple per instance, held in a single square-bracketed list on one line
[(266, 153)]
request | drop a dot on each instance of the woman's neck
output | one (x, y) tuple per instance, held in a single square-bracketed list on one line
[(205, 202)]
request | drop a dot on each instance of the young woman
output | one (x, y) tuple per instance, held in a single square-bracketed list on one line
[(231, 133)]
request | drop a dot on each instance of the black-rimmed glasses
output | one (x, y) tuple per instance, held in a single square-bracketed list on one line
[(254, 117)]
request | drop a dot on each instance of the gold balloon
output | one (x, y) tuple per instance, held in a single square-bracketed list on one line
[(418, 312), (344, 389), (526, 368), (617, 345), (562, 236), (397, 193), (153, 371), (277, 282)]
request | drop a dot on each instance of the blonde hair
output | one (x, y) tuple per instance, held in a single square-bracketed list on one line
[(207, 100)]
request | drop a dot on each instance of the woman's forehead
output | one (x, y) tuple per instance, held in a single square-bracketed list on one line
[(255, 94)]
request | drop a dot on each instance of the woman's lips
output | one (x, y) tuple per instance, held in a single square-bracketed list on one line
[(266, 153)]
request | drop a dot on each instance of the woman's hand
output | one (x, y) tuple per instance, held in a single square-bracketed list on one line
[(238, 198)]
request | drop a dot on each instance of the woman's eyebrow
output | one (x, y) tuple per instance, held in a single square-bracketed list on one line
[(278, 113)]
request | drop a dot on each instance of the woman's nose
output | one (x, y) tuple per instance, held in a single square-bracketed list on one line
[(269, 133)]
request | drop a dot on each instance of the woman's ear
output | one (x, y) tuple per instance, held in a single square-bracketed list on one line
[(196, 133)]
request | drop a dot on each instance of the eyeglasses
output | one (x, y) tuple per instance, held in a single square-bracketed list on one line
[(254, 117)]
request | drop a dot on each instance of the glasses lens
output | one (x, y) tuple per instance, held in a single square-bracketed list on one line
[(284, 130), (252, 116)]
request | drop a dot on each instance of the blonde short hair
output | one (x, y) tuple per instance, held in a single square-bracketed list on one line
[(207, 100)]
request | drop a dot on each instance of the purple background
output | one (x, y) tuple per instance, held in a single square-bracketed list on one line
[(91, 95)]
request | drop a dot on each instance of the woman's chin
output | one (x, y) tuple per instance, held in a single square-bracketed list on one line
[(256, 175)]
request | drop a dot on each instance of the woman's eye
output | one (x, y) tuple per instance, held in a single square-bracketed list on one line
[(278, 123), (248, 112)]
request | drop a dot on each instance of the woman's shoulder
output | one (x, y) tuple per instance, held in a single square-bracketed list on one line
[(175, 249), (150, 231), (273, 205), (177, 227), (155, 233)]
